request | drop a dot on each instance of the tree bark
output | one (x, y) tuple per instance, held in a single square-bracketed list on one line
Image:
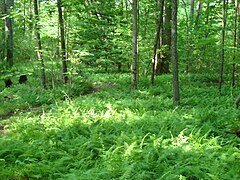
[(176, 94), (134, 45), (160, 43), (157, 39), (63, 43), (190, 35), (199, 6), (166, 41), (222, 43), (39, 44), (236, 39), (9, 32), (3, 34)]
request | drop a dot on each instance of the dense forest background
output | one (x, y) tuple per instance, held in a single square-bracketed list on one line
[(119, 89), (98, 34)]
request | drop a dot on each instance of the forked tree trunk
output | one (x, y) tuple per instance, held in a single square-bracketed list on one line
[(134, 45), (63, 43), (176, 94), (39, 44), (157, 39)]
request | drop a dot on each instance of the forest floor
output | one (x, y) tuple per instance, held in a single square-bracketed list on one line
[(100, 129)]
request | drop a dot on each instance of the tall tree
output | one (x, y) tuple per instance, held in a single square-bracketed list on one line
[(30, 14), (222, 43), (176, 94), (134, 45), (39, 44), (3, 36), (236, 39), (189, 35), (63, 43), (157, 39), (198, 10), (166, 39), (9, 31), (159, 57)]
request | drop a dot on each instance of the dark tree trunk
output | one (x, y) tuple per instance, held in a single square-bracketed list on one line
[(165, 59), (39, 44), (222, 44), (9, 32), (157, 40), (63, 43), (176, 94), (134, 45), (160, 43)]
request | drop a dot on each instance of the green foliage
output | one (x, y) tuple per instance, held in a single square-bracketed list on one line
[(117, 134), (24, 96), (95, 127)]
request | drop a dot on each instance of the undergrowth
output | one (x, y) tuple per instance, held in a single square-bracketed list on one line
[(114, 133)]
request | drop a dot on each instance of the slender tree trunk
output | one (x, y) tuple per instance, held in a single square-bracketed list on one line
[(222, 43), (236, 36), (134, 45), (157, 39), (30, 14), (3, 34), (199, 6), (39, 44), (176, 94), (24, 16), (9, 32), (63, 43), (159, 57), (190, 35)]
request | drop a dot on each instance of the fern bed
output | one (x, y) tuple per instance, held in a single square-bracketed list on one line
[(113, 133)]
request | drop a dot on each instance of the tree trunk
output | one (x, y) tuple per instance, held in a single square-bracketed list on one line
[(165, 59), (190, 36), (134, 45), (63, 43), (176, 94), (9, 32), (30, 14), (222, 43), (199, 6), (235, 43), (39, 44), (157, 40), (3, 34), (160, 43)]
